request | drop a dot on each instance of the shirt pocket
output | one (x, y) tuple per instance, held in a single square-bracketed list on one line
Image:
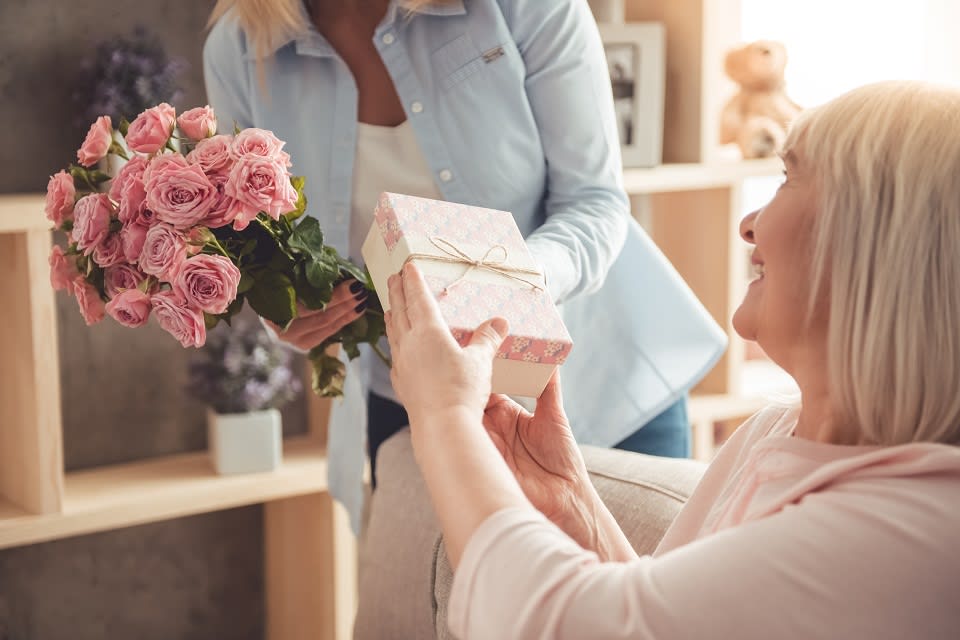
[(461, 58)]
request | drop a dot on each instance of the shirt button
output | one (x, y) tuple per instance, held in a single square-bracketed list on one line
[(416, 107), (387, 38), (446, 175)]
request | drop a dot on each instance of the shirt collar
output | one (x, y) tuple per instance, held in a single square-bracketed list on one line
[(311, 43)]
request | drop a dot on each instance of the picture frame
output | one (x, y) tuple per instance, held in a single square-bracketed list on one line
[(636, 61)]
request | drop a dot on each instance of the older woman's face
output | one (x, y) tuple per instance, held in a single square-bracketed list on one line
[(774, 308)]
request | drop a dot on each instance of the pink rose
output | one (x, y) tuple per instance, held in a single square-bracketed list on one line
[(198, 123), (133, 170), (131, 308), (178, 319), (121, 277), (63, 269), (91, 221), (132, 237), (222, 209), (212, 155), (164, 250), (97, 142), (259, 142), (109, 252), (177, 192), (149, 132), (91, 306), (60, 194), (133, 203), (259, 184), (208, 282)]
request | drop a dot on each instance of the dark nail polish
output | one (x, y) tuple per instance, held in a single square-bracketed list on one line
[(356, 286), (360, 308), (362, 295)]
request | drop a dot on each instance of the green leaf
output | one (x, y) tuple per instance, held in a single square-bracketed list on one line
[(307, 237), (248, 248), (272, 296), (210, 320), (328, 372), (123, 127), (312, 297), (246, 282), (354, 271), (321, 274), (300, 208), (97, 177)]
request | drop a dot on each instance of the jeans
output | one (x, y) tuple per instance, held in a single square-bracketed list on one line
[(667, 435)]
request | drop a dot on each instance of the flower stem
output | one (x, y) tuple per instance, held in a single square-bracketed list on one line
[(216, 245)]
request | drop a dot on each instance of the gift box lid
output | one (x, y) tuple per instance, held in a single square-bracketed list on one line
[(447, 240)]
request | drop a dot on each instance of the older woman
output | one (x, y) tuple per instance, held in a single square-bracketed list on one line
[(834, 518)]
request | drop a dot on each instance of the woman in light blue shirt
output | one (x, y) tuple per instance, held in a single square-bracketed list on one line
[(504, 104)]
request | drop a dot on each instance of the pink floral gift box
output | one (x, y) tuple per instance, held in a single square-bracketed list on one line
[(478, 266)]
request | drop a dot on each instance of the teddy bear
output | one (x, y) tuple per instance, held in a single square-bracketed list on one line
[(757, 117)]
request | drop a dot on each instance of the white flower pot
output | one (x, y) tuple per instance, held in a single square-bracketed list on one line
[(245, 442)]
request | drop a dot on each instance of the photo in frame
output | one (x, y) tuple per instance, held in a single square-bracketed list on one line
[(636, 60)]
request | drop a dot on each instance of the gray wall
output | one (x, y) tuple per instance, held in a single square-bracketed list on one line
[(123, 398)]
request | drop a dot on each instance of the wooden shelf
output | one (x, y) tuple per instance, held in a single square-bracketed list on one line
[(162, 488), (22, 212), (670, 178)]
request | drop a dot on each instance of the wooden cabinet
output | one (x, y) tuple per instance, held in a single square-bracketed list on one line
[(310, 552)]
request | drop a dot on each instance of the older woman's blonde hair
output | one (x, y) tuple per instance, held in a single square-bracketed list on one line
[(886, 161), (268, 23)]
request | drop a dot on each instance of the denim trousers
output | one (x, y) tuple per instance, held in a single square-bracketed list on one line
[(667, 435)]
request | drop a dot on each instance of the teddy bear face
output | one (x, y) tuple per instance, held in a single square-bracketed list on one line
[(757, 66)]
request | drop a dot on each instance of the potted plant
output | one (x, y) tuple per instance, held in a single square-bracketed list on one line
[(244, 377)]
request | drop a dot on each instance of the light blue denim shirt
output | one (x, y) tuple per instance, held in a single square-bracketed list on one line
[(511, 105)]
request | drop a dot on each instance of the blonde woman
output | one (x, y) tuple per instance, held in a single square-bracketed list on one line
[(500, 103), (836, 518)]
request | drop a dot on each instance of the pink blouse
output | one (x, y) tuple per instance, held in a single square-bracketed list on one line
[(783, 538)]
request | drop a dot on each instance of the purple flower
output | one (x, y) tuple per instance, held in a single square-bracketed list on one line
[(126, 76), (241, 369)]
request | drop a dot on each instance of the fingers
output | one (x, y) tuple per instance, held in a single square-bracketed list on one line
[(398, 305), (550, 402), (347, 294), (420, 304), (489, 336), (307, 331)]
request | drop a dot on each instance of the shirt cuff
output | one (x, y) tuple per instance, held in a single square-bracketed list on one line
[(276, 339), (557, 265)]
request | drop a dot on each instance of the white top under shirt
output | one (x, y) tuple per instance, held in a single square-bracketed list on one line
[(387, 159)]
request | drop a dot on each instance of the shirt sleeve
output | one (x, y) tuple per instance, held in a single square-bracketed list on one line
[(568, 87), (782, 576), (226, 74)]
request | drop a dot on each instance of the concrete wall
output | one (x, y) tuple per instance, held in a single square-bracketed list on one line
[(123, 397)]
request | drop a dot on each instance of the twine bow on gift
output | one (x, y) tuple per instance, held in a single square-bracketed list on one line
[(456, 255)]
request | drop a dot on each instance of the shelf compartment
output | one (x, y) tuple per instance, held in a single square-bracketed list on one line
[(163, 488), (23, 212), (670, 178), (31, 460)]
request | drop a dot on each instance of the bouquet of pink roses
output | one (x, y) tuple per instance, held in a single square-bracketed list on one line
[(193, 225)]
